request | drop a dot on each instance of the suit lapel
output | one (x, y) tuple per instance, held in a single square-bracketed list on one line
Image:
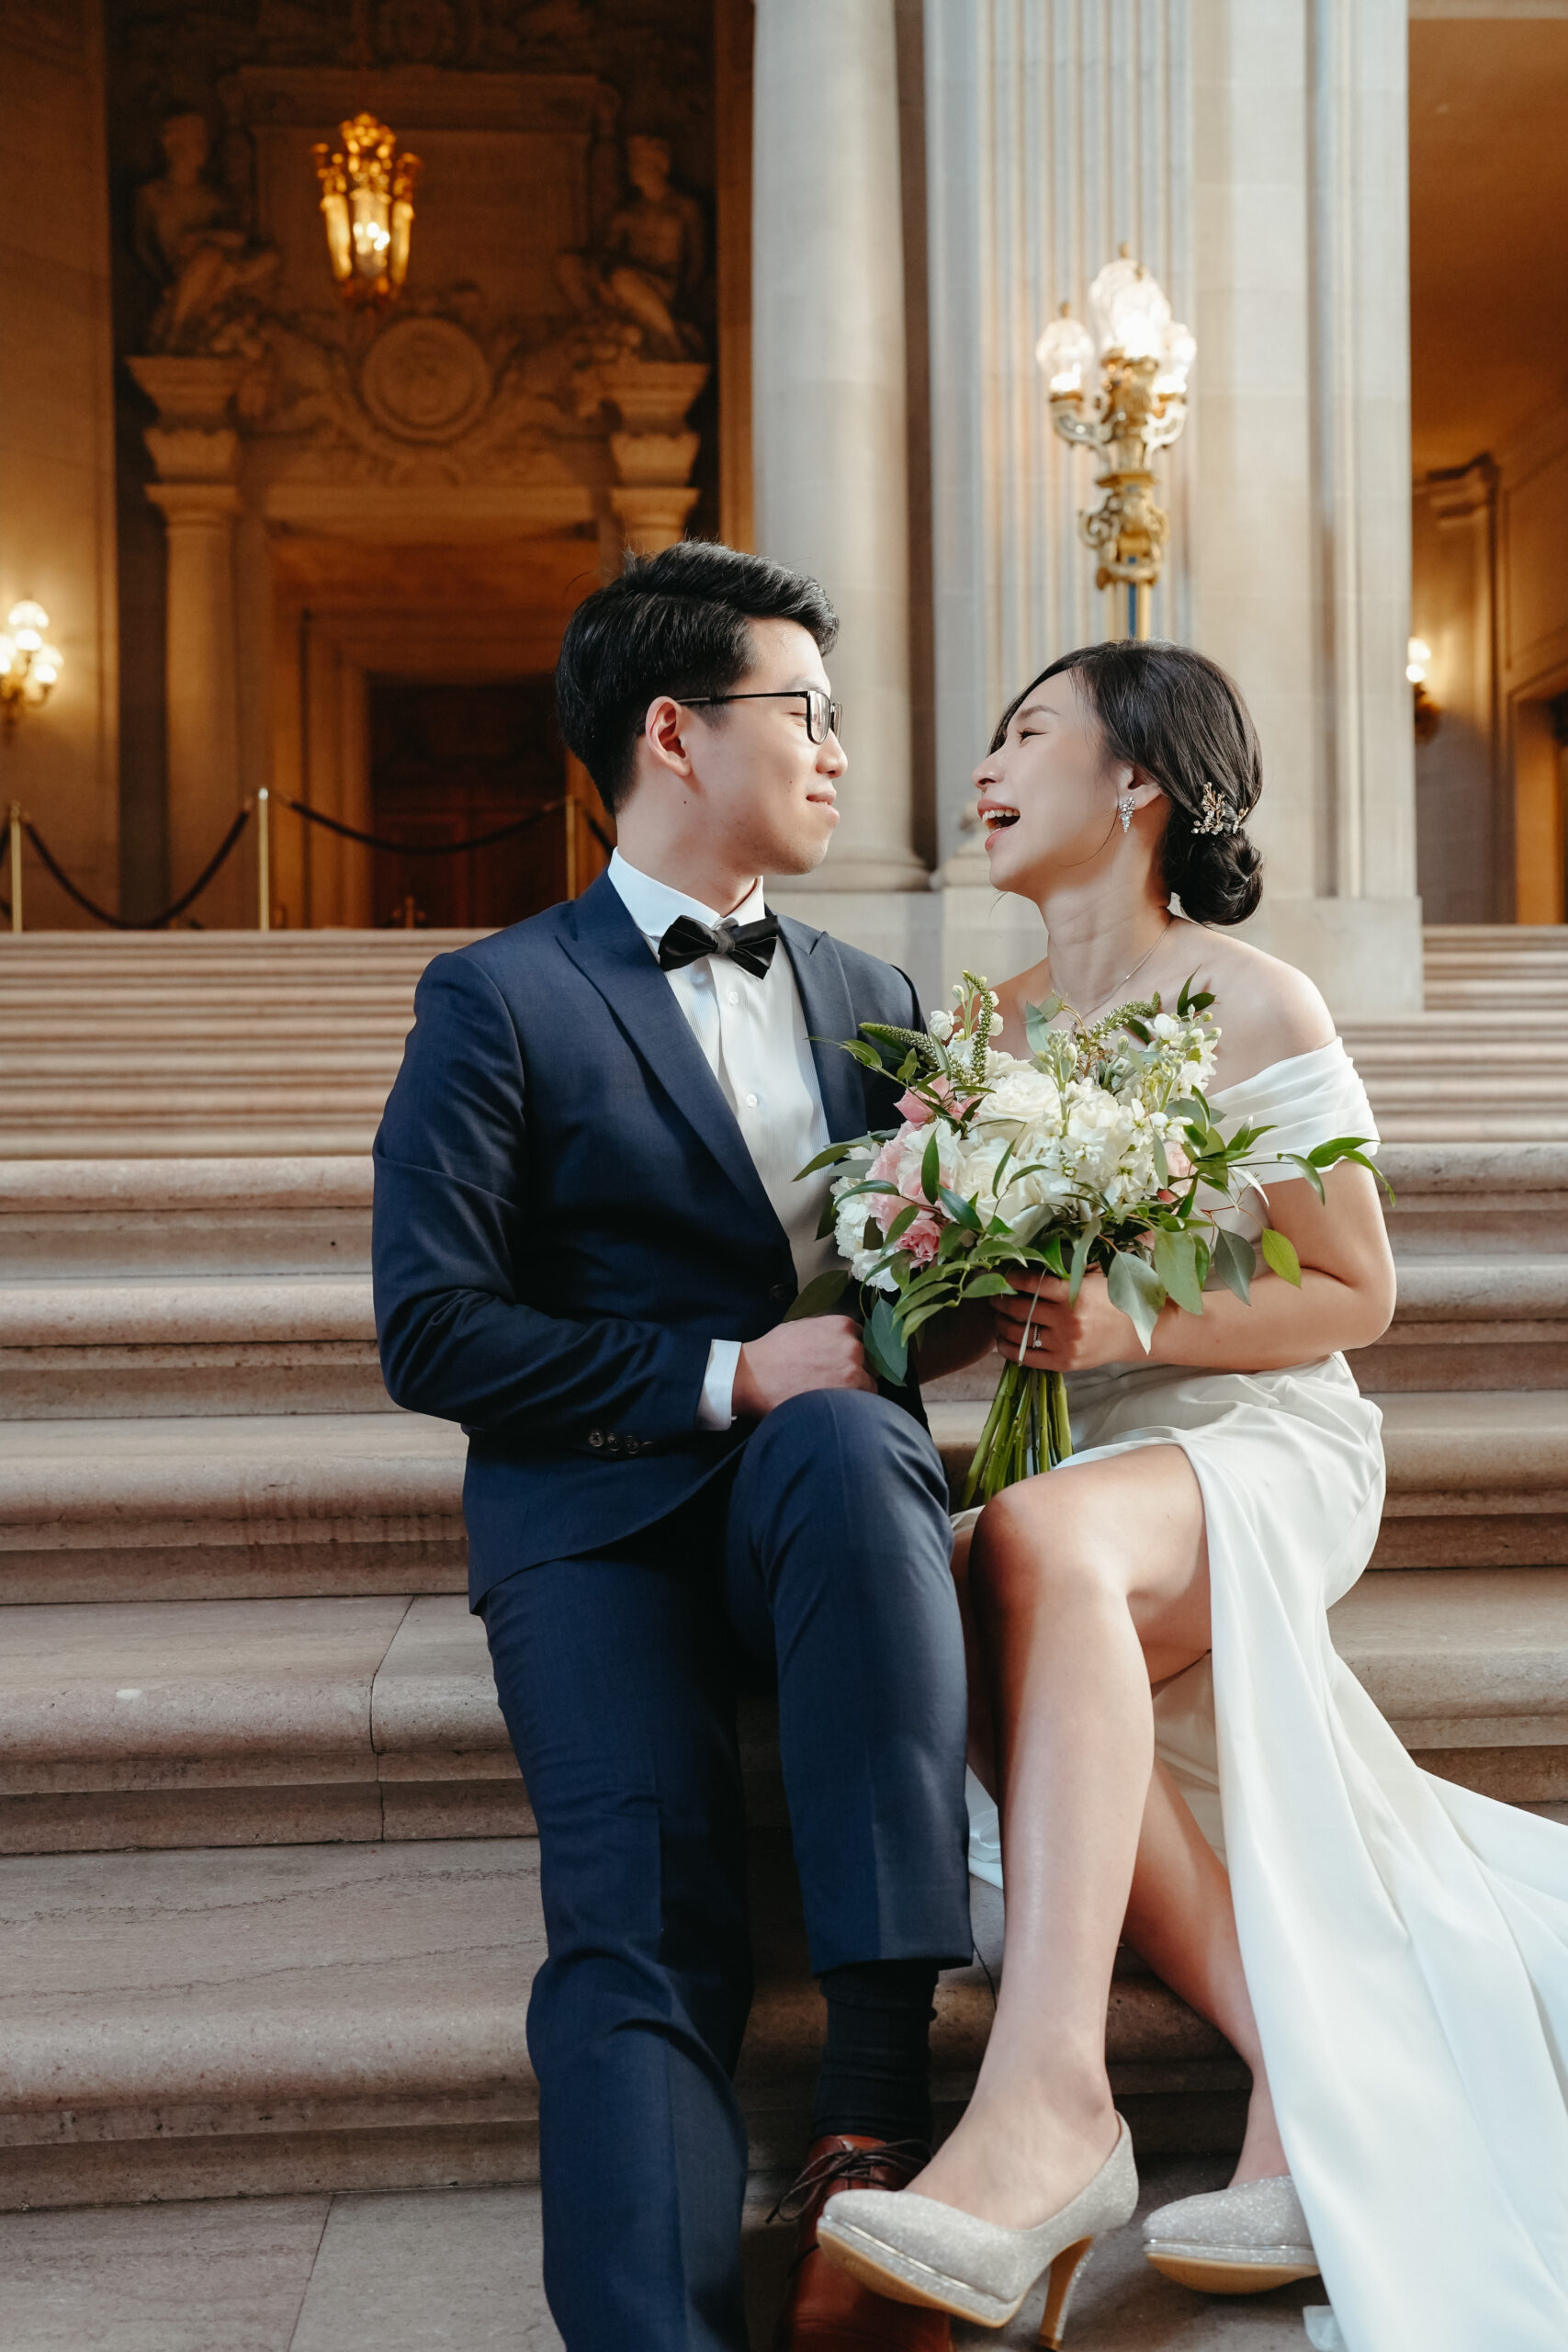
[(611, 953), (830, 1016)]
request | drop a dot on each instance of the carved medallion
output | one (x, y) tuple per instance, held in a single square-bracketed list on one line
[(425, 379)]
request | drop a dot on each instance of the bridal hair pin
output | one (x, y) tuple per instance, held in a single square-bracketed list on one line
[(1218, 816)]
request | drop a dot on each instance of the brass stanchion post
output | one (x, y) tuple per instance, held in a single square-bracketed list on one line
[(264, 863), (16, 830)]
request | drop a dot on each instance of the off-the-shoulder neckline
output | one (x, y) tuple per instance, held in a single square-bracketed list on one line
[(1272, 1069)]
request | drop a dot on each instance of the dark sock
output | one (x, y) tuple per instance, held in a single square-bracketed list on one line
[(875, 2077)]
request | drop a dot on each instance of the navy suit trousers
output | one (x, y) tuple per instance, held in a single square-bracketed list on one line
[(821, 1557)]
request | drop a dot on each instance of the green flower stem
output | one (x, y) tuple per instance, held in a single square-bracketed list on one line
[(1027, 1431)]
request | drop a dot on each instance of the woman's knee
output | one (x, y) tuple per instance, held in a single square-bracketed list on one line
[(1034, 1541)]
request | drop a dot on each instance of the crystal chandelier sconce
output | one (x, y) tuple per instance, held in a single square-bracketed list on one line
[(30, 667), (367, 207), (1122, 391)]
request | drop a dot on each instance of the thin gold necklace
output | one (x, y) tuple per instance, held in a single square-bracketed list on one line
[(1116, 985)]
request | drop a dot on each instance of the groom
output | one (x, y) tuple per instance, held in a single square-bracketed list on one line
[(588, 1235)]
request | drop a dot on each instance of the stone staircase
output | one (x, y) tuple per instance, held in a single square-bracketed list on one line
[(178, 1044), (267, 1898)]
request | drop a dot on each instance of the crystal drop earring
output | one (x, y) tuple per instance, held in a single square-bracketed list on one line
[(1124, 810)]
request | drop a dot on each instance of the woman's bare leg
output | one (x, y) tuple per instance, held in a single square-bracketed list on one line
[(1182, 1919), (1086, 1583)]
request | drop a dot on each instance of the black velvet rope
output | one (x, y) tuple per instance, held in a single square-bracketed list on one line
[(123, 922), (441, 848)]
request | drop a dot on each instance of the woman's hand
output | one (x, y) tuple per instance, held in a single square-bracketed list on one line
[(1062, 1337)]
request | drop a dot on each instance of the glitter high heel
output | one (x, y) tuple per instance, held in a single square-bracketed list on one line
[(1233, 2240), (916, 2250)]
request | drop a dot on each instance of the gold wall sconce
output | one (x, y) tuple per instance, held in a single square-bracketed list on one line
[(367, 209), (29, 668), (1133, 370), (1429, 717)]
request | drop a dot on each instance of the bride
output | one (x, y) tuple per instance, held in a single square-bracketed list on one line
[(1180, 1757)]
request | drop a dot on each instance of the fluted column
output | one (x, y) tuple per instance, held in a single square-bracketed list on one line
[(828, 388), (197, 453)]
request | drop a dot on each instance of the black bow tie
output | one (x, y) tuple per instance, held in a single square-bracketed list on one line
[(750, 944)]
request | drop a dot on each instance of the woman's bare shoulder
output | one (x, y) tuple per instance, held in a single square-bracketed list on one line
[(1265, 1010)]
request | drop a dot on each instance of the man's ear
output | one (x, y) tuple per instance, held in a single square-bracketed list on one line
[(663, 728)]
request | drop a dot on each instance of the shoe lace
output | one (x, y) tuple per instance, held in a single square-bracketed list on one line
[(849, 2164)]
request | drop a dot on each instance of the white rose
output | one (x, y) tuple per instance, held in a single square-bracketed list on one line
[(941, 1026)]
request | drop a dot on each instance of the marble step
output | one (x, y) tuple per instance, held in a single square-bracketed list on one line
[(223, 1723), (306, 1343), (231, 1507), (248, 2021), (281, 1343), (252, 1507), (193, 1218)]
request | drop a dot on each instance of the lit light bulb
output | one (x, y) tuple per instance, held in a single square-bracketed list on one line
[(1064, 354), (1180, 351), (1417, 654), (7, 655), (1129, 308), (26, 615)]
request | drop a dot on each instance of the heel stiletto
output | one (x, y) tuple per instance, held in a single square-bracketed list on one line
[(914, 2250)]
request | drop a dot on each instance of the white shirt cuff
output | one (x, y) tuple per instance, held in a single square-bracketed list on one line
[(716, 1406)]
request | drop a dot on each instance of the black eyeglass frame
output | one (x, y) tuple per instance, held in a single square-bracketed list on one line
[(819, 707)]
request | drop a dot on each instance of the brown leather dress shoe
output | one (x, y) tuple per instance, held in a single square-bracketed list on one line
[(826, 2310)]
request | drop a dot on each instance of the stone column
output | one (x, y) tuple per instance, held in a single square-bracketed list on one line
[(828, 392), (196, 454), (1301, 538), (1053, 133)]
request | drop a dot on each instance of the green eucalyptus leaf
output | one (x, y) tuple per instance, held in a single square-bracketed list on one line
[(837, 1151), (961, 1211), (1235, 1261), (886, 1350), (987, 1286), (820, 1296), (1280, 1255), (1312, 1173), (930, 1169), (903, 1221), (1175, 1265), (1138, 1289)]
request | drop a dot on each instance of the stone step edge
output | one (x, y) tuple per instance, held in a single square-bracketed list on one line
[(211, 1470)]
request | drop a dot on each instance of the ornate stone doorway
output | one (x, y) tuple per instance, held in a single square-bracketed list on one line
[(450, 761)]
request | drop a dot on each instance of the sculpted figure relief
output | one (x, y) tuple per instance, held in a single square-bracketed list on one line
[(650, 264), (188, 239)]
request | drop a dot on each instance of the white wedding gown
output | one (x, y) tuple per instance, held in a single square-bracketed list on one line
[(1405, 1942)]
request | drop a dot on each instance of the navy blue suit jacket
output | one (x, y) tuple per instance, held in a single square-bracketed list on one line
[(567, 1213)]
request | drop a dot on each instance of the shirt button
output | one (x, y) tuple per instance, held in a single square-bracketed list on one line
[(751, 1102), (734, 996)]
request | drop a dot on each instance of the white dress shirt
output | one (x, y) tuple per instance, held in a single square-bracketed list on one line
[(753, 1035)]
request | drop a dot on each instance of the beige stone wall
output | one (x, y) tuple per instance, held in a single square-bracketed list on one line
[(56, 435)]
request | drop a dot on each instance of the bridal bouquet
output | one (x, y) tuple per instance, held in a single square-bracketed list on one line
[(1096, 1149)]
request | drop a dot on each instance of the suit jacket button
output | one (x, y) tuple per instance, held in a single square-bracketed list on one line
[(595, 1437), (781, 1294)]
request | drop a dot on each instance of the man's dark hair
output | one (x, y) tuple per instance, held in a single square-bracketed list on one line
[(673, 623)]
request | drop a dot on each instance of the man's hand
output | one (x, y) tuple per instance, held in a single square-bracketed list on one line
[(823, 1351)]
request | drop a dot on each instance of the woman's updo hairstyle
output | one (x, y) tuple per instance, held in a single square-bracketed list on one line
[(1176, 716)]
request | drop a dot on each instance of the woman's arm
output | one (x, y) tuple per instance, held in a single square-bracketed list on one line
[(1346, 1299)]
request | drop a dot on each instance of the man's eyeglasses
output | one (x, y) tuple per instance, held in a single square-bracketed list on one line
[(822, 713)]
